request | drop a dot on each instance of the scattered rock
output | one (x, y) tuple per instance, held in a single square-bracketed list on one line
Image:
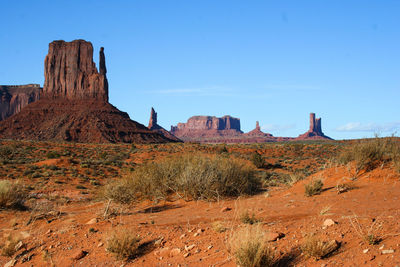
[(100, 244), (182, 236), (209, 247), (186, 255), (225, 209), (18, 245), (175, 252), (388, 251), (196, 234), (159, 241), (200, 231), (10, 263), (365, 250), (273, 236), (329, 222), (79, 255), (189, 248), (92, 221)]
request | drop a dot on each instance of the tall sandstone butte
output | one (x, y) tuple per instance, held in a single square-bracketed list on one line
[(14, 97), (70, 72), (74, 104), (315, 130)]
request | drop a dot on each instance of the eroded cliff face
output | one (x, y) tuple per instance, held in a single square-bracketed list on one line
[(14, 97), (206, 123), (70, 72)]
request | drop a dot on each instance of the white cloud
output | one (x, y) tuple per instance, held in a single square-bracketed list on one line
[(277, 127), (369, 127)]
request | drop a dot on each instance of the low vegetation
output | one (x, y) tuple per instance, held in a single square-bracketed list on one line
[(12, 195), (197, 177), (313, 188), (371, 153), (246, 218), (10, 245), (250, 248), (123, 244), (314, 247)]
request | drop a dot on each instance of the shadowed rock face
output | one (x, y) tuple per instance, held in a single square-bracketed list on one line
[(14, 97), (315, 130), (74, 104), (70, 72)]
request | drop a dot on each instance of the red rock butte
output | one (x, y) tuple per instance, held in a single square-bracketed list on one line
[(315, 130), (74, 103)]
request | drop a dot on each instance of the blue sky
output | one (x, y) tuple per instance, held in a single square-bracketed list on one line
[(271, 61)]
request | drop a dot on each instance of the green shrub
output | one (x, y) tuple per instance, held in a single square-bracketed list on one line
[(12, 195), (258, 160), (313, 188)]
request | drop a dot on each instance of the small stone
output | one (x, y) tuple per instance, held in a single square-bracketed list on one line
[(189, 248), (388, 251), (79, 255), (200, 231), (197, 251), (196, 234), (273, 236), (10, 263), (100, 244), (225, 209), (182, 236), (175, 252), (48, 231), (18, 245), (209, 247), (365, 250), (158, 241), (186, 255), (329, 222), (382, 247), (92, 221)]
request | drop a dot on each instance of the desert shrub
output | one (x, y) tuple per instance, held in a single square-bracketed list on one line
[(258, 160), (123, 243), (313, 188), (121, 191), (369, 154), (52, 155), (10, 245), (12, 195), (218, 227), (246, 218), (196, 177), (316, 248), (250, 247)]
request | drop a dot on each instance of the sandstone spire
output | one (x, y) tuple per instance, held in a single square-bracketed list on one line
[(315, 130), (153, 119)]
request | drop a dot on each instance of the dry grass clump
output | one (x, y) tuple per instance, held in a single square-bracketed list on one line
[(250, 248), (120, 191), (246, 218), (218, 227), (368, 234), (316, 248), (10, 245), (123, 243), (196, 177), (313, 188), (12, 195), (371, 153)]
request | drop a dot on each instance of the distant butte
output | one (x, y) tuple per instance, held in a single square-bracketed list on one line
[(315, 130), (74, 104)]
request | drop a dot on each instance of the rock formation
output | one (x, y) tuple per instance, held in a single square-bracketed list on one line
[(198, 128), (74, 104), (14, 97), (257, 132), (315, 130), (70, 72), (157, 128)]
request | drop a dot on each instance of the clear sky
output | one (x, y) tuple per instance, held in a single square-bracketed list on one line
[(271, 61)]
